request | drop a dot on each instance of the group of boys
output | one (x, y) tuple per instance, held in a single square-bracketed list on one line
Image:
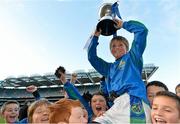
[(123, 82)]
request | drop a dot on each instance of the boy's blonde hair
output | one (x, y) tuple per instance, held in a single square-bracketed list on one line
[(121, 39), (34, 106)]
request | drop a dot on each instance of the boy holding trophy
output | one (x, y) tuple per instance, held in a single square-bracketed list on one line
[(123, 77)]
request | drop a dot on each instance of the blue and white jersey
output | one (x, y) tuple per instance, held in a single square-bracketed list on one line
[(124, 75)]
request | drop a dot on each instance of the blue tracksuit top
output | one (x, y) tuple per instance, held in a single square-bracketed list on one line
[(124, 75), (73, 93)]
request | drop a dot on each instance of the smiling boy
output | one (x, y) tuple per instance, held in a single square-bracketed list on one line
[(165, 108), (123, 77)]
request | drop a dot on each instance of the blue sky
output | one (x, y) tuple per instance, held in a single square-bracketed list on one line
[(36, 36)]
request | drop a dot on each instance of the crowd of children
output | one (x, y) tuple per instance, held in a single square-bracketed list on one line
[(77, 108), (123, 97)]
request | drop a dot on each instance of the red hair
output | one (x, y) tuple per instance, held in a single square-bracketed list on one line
[(60, 111)]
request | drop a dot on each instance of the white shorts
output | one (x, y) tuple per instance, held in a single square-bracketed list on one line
[(123, 111)]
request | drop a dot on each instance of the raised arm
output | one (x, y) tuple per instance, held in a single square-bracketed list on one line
[(33, 89), (73, 93), (99, 64), (140, 36)]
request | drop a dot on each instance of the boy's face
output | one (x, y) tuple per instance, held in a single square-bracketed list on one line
[(151, 92), (118, 48), (178, 91), (98, 104), (78, 116), (11, 113), (41, 114), (164, 110)]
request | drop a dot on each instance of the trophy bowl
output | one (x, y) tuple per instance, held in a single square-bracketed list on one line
[(106, 22)]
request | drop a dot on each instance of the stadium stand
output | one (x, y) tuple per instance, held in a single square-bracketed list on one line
[(51, 88)]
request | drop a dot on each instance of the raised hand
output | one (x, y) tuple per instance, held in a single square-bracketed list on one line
[(100, 113), (73, 77), (118, 22), (97, 32), (31, 88)]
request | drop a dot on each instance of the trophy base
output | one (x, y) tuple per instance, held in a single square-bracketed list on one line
[(107, 27)]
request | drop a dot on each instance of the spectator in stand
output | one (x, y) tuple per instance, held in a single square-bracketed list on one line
[(177, 90), (67, 111), (153, 87), (165, 108), (98, 104), (10, 111), (38, 112)]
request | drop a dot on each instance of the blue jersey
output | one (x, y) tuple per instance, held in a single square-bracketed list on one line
[(124, 75)]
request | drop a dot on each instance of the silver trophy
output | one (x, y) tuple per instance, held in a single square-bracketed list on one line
[(106, 22)]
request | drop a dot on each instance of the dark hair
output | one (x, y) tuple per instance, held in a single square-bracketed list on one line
[(157, 83), (170, 95), (87, 96), (98, 93), (101, 94), (23, 110), (59, 69), (103, 78), (177, 87)]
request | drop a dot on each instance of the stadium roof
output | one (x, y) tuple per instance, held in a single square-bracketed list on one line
[(50, 80)]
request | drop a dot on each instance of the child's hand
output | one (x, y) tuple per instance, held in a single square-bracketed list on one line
[(119, 23), (31, 88), (97, 32), (73, 77), (100, 113)]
